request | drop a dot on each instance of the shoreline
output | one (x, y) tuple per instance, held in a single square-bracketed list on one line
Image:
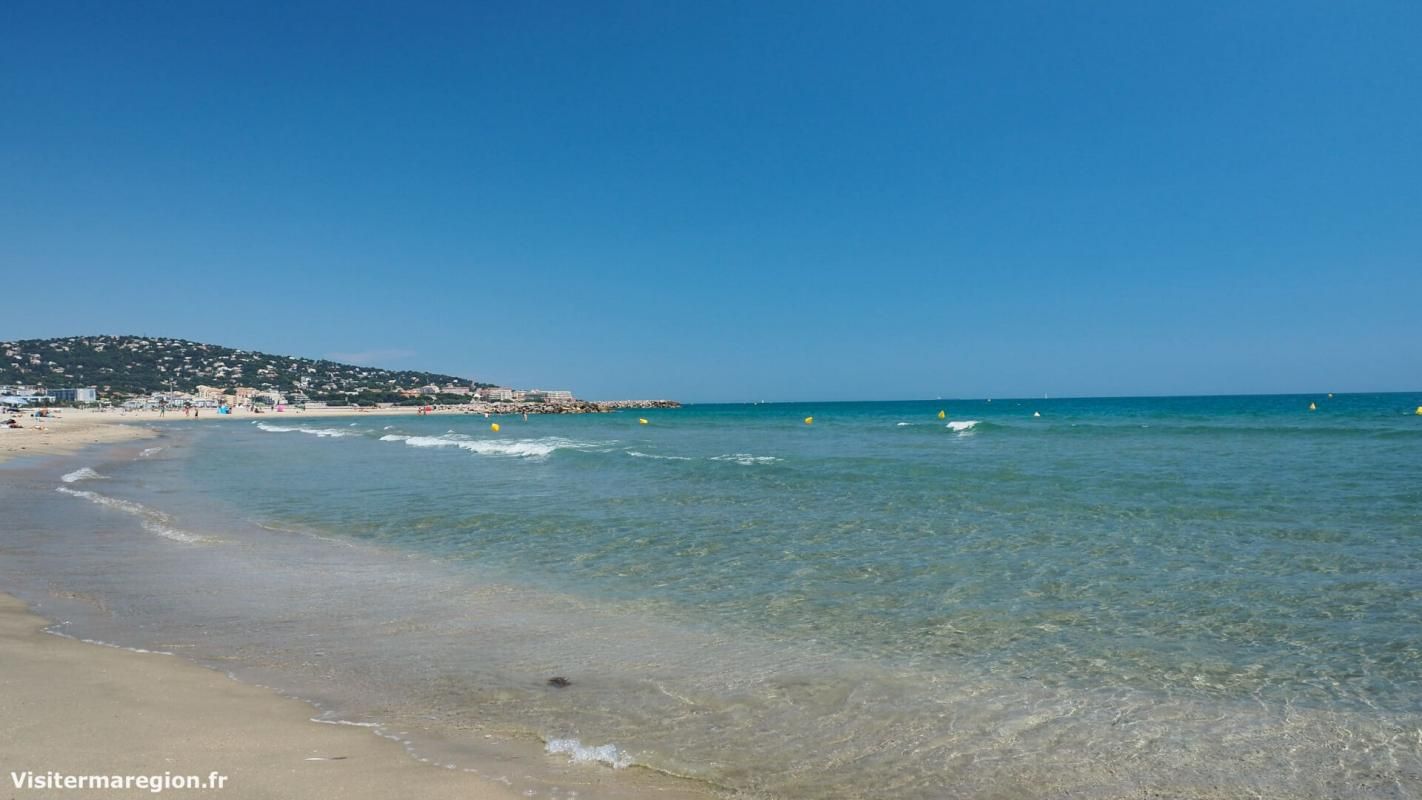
[(75, 706), (70, 430), (81, 709)]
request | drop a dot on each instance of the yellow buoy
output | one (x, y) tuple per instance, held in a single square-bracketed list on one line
[(809, 420), (642, 420), (1312, 406), (943, 415), (1419, 411), (494, 427)]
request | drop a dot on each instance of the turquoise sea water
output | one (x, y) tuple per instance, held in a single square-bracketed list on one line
[(1192, 596)]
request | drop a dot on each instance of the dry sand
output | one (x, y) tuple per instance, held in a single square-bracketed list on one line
[(67, 432), (83, 709)]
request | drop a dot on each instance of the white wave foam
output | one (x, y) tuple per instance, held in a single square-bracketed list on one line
[(149, 451), (52, 632), (636, 454), (522, 448), (745, 458), (82, 474), (963, 426), (169, 532), (313, 431), (903, 424), (580, 753), (155, 522), (104, 500), (346, 722)]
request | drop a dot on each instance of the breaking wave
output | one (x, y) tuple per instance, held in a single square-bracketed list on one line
[(82, 474), (636, 454), (521, 448), (155, 522), (313, 431), (745, 458), (579, 753)]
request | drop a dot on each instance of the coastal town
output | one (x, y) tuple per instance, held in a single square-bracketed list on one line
[(249, 398), (132, 373)]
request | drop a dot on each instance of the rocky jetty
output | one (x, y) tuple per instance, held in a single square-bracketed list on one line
[(617, 405)]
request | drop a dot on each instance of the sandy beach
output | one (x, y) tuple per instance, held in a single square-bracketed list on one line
[(83, 709), (66, 432), (69, 430)]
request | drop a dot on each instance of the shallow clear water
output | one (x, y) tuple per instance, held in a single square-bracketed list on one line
[(1201, 596)]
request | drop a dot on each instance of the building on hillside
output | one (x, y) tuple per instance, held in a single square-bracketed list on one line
[(78, 394), (455, 390), (19, 389), (17, 400), (495, 394), (431, 389)]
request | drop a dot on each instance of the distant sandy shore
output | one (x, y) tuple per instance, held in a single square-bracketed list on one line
[(83, 709), (67, 432), (70, 430)]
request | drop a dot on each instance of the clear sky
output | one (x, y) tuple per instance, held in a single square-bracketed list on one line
[(731, 201)]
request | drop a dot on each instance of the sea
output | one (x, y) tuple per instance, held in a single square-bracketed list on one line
[(1192, 597)]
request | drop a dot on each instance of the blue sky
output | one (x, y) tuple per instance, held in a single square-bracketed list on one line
[(731, 201)]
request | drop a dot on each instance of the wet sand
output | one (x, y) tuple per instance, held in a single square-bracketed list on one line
[(85, 709)]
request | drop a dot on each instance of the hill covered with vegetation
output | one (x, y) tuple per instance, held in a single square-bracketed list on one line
[(125, 366)]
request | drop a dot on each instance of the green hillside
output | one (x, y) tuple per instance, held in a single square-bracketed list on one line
[(124, 366)]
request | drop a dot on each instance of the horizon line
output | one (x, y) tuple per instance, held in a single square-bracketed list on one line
[(1048, 399)]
